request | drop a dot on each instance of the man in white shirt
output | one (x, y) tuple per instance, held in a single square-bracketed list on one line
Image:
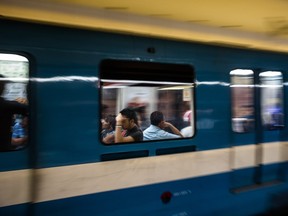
[(156, 130)]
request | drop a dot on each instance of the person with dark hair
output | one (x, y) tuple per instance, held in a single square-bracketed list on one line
[(7, 111), (127, 120), (108, 129), (156, 130)]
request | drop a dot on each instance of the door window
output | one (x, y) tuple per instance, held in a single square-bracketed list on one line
[(242, 93), (14, 71), (271, 83)]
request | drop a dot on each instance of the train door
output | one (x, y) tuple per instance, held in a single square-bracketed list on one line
[(15, 166), (257, 123)]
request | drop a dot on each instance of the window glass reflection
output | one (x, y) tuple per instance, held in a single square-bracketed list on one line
[(271, 83), (173, 100), (242, 96)]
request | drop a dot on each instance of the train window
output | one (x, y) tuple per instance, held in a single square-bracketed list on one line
[(14, 71), (242, 92), (146, 87), (271, 97)]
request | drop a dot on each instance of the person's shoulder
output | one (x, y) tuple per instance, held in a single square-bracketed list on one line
[(148, 128), (136, 128)]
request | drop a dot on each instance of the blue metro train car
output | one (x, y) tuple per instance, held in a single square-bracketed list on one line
[(59, 84)]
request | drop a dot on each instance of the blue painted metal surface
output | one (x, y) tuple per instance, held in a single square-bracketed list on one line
[(65, 130)]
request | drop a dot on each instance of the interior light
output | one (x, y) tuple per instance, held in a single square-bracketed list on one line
[(12, 57), (270, 74), (243, 72)]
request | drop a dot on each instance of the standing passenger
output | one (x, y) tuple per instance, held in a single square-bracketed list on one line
[(127, 120), (156, 130)]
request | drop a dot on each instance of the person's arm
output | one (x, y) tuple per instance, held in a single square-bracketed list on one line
[(119, 138), (118, 131), (173, 128), (18, 141), (109, 139), (118, 135)]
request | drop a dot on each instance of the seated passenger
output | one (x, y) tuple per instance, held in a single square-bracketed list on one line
[(156, 130), (127, 120), (108, 126), (20, 132)]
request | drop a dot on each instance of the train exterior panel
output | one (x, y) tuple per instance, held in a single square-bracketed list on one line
[(228, 165)]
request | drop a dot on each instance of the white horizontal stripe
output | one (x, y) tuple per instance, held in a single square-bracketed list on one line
[(198, 83), (245, 156), (62, 182), (275, 152), (146, 81), (15, 187), (51, 79), (68, 181)]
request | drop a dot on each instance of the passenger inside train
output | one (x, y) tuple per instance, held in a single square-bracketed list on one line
[(170, 101), (108, 129), (172, 96), (156, 130), (7, 111), (20, 131), (127, 120)]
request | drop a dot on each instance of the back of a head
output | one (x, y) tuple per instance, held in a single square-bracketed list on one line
[(156, 117), (130, 113)]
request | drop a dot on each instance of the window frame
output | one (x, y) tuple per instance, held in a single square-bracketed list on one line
[(153, 73)]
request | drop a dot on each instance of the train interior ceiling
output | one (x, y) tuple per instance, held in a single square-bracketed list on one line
[(251, 24)]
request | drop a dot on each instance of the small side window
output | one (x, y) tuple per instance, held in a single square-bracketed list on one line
[(242, 93), (14, 71), (147, 88)]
